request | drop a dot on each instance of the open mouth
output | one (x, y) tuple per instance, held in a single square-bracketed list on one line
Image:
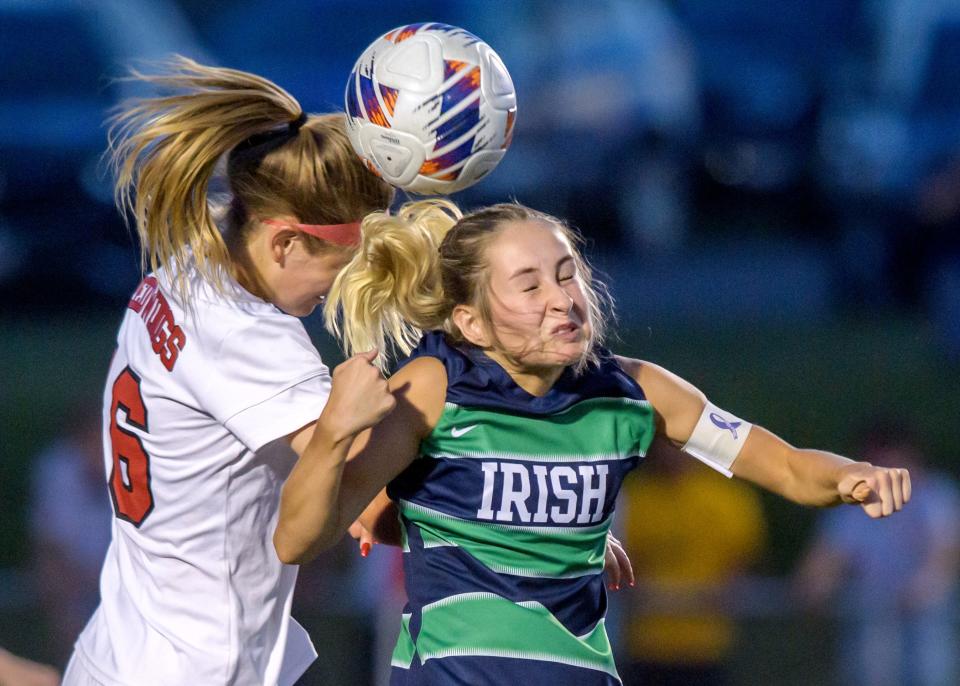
[(565, 330)]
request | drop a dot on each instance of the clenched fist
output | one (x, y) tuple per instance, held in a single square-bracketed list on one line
[(880, 491), (359, 397)]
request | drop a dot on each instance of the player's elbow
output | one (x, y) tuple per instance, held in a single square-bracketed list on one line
[(289, 549), (286, 551), (292, 550)]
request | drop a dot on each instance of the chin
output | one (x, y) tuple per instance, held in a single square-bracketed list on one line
[(574, 350), (299, 312), (560, 358), (574, 360)]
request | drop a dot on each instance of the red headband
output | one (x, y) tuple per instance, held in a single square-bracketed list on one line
[(341, 234)]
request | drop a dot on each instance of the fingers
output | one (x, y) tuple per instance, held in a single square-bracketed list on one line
[(363, 537), (612, 568), (880, 491), (369, 355), (896, 488), (617, 564), (360, 396), (884, 492), (356, 530), (623, 560), (861, 492)]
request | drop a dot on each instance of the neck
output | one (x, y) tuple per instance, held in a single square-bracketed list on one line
[(243, 268), (536, 381)]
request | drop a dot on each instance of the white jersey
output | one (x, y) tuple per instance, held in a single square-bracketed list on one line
[(196, 406)]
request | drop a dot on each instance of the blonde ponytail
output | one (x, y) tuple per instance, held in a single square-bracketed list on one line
[(391, 290), (164, 151)]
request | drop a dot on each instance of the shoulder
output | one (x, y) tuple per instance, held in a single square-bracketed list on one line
[(421, 370), (656, 377), (639, 368), (245, 327), (422, 384), (669, 394), (628, 364), (435, 346)]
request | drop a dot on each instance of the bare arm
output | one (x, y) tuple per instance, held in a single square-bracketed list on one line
[(343, 467), (18, 671), (807, 477), (820, 478)]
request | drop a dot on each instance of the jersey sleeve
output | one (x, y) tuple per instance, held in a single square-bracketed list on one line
[(266, 381)]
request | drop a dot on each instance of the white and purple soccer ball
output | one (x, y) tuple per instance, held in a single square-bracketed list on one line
[(430, 108)]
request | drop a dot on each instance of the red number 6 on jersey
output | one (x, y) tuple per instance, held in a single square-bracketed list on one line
[(130, 476)]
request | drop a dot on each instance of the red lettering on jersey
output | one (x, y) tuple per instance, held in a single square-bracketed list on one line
[(130, 475), (166, 337)]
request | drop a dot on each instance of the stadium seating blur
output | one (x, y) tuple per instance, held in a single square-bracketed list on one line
[(764, 69), (61, 239)]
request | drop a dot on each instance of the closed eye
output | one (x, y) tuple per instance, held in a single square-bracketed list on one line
[(566, 269)]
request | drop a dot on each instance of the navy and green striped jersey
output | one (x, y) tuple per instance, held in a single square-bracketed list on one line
[(505, 514)]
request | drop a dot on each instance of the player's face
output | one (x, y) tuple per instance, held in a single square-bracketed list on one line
[(537, 298), (305, 279)]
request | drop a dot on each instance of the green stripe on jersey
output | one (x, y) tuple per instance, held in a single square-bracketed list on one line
[(531, 551), (485, 624), (404, 651), (590, 430)]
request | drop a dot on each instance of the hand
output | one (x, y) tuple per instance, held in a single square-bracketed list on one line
[(880, 491), (360, 534), (616, 564), (359, 397)]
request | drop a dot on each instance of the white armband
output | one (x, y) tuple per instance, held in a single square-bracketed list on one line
[(718, 438)]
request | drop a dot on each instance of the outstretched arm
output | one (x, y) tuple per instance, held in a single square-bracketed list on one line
[(816, 477), (808, 477), (342, 467)]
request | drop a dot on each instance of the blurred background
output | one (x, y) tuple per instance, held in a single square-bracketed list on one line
[(770, 189)]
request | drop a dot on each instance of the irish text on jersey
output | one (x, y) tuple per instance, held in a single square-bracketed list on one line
[(561, 484), (166, 337)]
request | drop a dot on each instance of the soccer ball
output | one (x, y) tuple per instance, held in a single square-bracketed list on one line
[(430, 108)]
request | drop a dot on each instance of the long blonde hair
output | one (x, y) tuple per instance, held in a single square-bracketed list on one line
[(416, 265), (164, 151)]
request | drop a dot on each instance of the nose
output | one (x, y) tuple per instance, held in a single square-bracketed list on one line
[(558, 300)]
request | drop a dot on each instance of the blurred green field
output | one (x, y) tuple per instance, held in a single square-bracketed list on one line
[(813, 385)]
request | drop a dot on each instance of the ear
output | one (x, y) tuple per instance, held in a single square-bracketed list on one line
[(471, 325), (281, 244)]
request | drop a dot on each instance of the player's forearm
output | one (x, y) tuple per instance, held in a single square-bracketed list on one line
[(806, 477), (815, 478), (310, 502)]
